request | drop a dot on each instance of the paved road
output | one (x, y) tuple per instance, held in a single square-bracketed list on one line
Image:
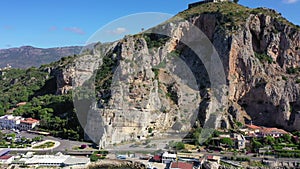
[(64, 144)]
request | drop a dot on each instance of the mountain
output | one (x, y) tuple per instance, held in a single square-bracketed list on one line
[(28, 56), (171, 78)]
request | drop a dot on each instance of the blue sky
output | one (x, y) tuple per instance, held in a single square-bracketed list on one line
[(51, 23)]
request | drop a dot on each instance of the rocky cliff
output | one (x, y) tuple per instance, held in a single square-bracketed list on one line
[(142, 90)]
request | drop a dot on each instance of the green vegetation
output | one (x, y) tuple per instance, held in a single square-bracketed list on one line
[(227, 141), (263, 57), (10, 140), (232, 15), (176, 145), (37, 88), (56, 115), (284, 78), (155, 40), (98, 155), (104, 76), (17, 85), (47, 144), (293, 70)]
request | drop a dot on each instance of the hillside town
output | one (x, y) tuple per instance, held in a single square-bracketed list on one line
[(256, 127), (250, 145)]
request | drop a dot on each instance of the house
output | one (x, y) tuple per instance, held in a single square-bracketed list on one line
[(17, 122), (239, 141), (168, 157), (181, 165), (6, 159), (157, 158), (213, 158), (274, 132), (251, 130), (10, 121), (28, 124)]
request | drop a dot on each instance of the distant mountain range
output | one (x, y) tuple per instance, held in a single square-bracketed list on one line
[(28, 56)]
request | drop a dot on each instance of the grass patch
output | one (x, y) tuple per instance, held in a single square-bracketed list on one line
[(48, 144)]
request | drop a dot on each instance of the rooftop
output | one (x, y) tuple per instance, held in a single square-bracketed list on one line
[(29, 121), (181, 165), (5, 157), (273, 131), (253, 127)]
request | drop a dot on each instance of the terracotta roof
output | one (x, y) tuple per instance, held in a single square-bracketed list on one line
[(5, 157), (253, 127), (29, 121), (272, 131), (181, 165)]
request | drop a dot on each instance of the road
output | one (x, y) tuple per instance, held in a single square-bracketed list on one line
[(65, 145)]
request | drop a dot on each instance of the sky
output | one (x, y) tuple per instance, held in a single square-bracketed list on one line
[(56, 23)]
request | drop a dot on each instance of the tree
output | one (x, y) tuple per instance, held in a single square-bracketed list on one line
[(269, 140), (235, 1), (196, 135), (179, 146), (227, 141), (287, 138), (255, 144)]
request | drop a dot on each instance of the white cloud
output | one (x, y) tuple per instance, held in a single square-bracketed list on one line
[(118, 31), (290, 1)]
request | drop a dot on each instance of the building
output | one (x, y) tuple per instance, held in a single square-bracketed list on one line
[(58, 160), (10, 121), (273, 132), (190, 157), (213, 158), (17, 122), (239, 141), (181, 165), (206, 1), (168, 157), (6, 159), (252, 129), (28, 124), (157, 158)]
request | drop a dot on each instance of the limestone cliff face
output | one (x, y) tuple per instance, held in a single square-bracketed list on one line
[(147, 96), (259, 59)]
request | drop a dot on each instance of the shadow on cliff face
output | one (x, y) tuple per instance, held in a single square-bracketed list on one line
[(258, 105), (202, 78)]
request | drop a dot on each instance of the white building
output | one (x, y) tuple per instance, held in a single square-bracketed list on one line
[(168, 157), (6, 159), (239, 140), (10, 121), (58, 160), (17, 122), (28, 124)]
